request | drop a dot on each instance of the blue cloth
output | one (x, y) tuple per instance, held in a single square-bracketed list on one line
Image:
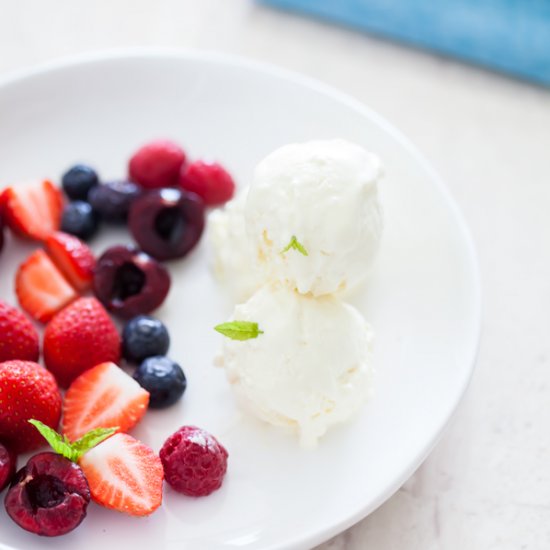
[(506, 35)]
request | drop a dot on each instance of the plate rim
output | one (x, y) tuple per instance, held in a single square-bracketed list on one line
[(67, 62)]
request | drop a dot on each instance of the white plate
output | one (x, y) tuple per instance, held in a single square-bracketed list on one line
[(423, 299)]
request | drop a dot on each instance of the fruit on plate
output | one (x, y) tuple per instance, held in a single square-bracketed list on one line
[(73, 257), (41, 288), (80, 219), (210, 181), (103, 396), (144, 336), (27, 391), (163, 379), (18, 337), (79, 337), (167, 223), (124, 475), (194, 461), (8, 462), (1, 230), (49, 495), (129, 282), (78, 180), (112, 200), (157, 164), (33, 211)]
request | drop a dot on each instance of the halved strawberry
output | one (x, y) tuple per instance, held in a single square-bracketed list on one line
[(41, 288), (74, 258), (33, 211), (103, 396), (124, 475)]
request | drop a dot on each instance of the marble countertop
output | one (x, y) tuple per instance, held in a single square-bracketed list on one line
[(487, 484)]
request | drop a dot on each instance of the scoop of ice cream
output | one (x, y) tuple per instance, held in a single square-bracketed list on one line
[(309, 369), (231, 250), (321, 198)]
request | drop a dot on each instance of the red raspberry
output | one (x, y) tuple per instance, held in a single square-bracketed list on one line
[(210, 181), (157, 164), (194, 461)]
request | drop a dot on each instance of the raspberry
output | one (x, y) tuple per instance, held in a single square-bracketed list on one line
[(156, 164), (194, 461), (211, 182)]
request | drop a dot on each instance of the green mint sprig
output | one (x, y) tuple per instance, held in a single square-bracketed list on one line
[(72, 450), (239, 330), (294, 244)]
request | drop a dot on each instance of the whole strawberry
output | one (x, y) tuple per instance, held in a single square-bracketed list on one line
[(18, 337), (27, 391), (79, 337)]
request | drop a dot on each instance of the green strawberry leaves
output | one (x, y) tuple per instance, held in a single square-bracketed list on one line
[(72, 450)]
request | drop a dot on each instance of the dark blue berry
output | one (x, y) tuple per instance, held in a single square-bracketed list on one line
[(80, 220), (112, 200), (163, 379), (78, 181), (143, 337)]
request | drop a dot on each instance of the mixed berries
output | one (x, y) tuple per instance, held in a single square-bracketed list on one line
[(64, 286)]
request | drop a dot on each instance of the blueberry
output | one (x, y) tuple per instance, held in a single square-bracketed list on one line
[(79, 219), (78, 181), (143, 337), (163, 379), (112, 200)]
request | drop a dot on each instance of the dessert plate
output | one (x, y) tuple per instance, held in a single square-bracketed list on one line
[(423, 298)]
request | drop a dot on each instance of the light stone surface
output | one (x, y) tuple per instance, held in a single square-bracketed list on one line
[(487, 484)]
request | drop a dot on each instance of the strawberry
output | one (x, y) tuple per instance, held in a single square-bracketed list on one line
[(18, 337), (79, 337), (41, 288), (33, 211), (124, 475), (103, 396), (74, 258), (27, 391)]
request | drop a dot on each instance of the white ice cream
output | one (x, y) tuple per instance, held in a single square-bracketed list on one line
[(231, 250), (309, 369), (325, 194)]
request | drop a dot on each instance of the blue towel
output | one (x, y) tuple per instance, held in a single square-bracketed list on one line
[(512, 36)]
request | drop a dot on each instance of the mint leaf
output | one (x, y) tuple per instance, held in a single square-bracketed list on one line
[(239, 330), (294, 244), (91, 439), (60, 444), (73, 451)]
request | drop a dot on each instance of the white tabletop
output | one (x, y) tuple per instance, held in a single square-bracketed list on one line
[(487, 484)]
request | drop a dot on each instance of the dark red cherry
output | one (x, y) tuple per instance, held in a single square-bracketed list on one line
[(49, 496), (128, 282), (167, 223)]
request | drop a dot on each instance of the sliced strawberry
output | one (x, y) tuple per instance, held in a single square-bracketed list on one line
[(33, 211), (41, 288), (103, 397), (74, 258), (124, 475)]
